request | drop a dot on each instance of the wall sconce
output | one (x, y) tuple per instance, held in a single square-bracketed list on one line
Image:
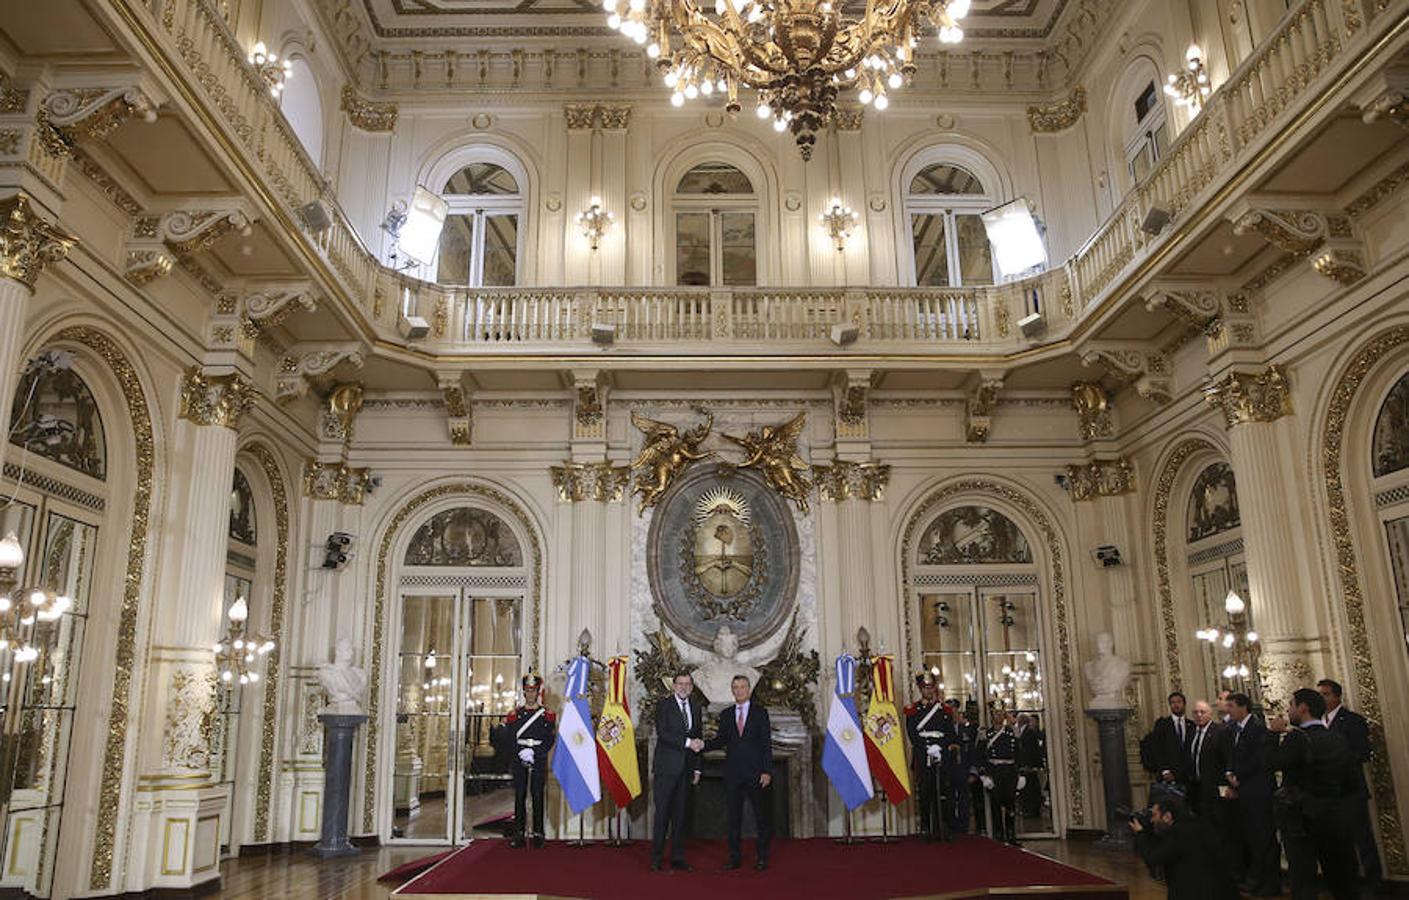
[(271, 68), (839, 222), (1190, 87), (594, 222), (235, 653)]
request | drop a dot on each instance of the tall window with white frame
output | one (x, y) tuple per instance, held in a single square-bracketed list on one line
[(483, 235), (240, 565), (1389, 470), (715, 216), (1147, 139), (950, 248)]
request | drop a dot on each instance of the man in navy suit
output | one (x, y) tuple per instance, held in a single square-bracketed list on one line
[(1353, 728), (747, 739), (677, 766), (1250, 775)]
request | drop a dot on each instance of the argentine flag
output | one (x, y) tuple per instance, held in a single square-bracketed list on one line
[(575, 756), (844, 753)]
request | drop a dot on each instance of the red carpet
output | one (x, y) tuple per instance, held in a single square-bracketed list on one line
[(811, 868)]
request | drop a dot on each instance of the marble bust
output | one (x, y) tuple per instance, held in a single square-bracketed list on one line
[(344, 682), (714, 677), (1106, 675)]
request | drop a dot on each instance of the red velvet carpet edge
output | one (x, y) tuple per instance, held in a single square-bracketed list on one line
[(814, 868)]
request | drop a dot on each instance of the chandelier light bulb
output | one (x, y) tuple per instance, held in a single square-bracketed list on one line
[(1234, 604), (882, 101), (11, 551), (653, 50), (1229, 671), (239, 610), (677, 99), (764, 111), (691, 92), (4, 604), (430, 660), (958, 9), (779, 125), (614, 22), (895, 80), (865, 96), (217, 648), (1228, 640), (672, 78), (707, 88), (1252, 637), (1193, 53)]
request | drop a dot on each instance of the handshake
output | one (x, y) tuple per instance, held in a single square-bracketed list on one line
[(695, 744)]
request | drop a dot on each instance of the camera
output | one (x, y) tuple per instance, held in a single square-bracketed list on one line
[(337, 550), (1146, 816)]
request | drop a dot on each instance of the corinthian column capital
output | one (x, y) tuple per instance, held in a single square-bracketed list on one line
[(215, 399), (29, 243), (1245, 397)]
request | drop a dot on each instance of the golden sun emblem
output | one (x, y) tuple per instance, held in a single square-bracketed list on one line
[(724, 553)]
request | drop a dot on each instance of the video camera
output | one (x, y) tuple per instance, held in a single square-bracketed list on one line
[(1146, 816)]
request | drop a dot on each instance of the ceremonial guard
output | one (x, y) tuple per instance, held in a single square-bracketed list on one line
[(964, 768), (1000, 778), (935, 746), (527, 735)]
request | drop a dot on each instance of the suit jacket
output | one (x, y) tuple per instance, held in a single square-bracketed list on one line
[(1213, 762), (1318, 761), (1193, 866), (1355, 731), (1032, 752), (1249, 758), (672, 758), (747, 755), (1167, 752)]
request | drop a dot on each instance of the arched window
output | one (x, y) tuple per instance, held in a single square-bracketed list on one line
[(227, 763), (1146, 131), (480, 243), (950, 247), (1390, 444), (1217, 567), (716, 242), (55, 416), (303, 107)]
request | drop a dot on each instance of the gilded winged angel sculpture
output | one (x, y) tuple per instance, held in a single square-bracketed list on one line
[(665, 455), (773, 448)]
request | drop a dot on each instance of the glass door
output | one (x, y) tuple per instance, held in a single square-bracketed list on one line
[(458, 669)]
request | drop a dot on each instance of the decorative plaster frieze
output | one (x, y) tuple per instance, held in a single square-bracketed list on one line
[(1197, 308), (368, 115), (268, 306), (81, 115), (1100, 478), (1249, 397), (842, 480), (1093, 410), (599, 481), (1147, 370), (979, 407), (850, 395), (1059, 116), (335, 481)]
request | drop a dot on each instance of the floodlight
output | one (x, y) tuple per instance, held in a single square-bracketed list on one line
[(1017, 245), (420, 234)]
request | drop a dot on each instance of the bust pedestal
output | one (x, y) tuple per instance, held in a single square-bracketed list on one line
[(1115, 773), (338, 731)]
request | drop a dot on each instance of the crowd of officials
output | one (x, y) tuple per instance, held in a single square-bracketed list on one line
[(1233, 791)]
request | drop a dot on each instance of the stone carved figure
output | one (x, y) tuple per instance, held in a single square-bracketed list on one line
[(1106, 675), (665, 454), (344, 682), (715, 676)]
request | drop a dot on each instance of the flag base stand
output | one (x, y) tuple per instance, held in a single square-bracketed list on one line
[(581, 841), (614, 834), (848, 839), (886, 837)]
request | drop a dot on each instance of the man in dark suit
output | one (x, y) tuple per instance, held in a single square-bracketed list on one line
[(1318, 773), (678, 745), (1032, 762), (1355, 731), (1249, 774), (747, 738), (1184, 847), (1168, 744), (1201, 770)]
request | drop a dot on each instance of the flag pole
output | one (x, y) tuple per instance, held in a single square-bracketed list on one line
[(847, 838), (581, 840)]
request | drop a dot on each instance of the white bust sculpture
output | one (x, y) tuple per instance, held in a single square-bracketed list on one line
[(715, 676), (344, 682), (1106, 675)]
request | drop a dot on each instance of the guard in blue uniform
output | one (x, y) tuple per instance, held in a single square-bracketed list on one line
[(935, 749), (960, 799), (527, 735), (1000, 777)]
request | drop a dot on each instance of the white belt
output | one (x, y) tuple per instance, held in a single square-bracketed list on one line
[(529, 742), (930, 734)]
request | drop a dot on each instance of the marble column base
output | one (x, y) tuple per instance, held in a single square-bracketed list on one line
[(1115, 774), (337, 784)]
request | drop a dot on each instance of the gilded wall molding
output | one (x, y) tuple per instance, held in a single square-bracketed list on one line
[(1367, 690), (457, 410), (842, 480), (208, 399), (600, 481), (586, 116), (1093, 410), (189, 719), (29, 243), (295, 372), (273, 666), (1247, 397), (335, 481), (80, 115), (1071, 710), (338, 419), (1059, 116), (1164, 485), (368, 115), (978, 409), (383, 572), (267, 307), (1100, 478)]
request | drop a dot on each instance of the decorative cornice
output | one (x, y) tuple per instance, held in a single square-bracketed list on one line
[(295, 371), (457, 409), (1197, 308), (80, 115), (335, 481), (1101, 478), (1246, 397), (1093, 410), (842, 480), (599, 481), (368, 115), (608, 117), (1297, 231), (266, 307), (1059, 116), (208, 399), (28, 243), (978, 409), (145, 266), (1344, 265), (1149, 371)]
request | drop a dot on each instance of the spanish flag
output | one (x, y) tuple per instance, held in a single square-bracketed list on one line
[(885, 735), (616, 739)]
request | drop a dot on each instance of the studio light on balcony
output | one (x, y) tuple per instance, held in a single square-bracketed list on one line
[(419, 235), (594, 222), (271, 68), (1017, 244), (1190, 86), (839, 221)]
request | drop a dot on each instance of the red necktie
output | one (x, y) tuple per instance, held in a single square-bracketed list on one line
[(739, 717)]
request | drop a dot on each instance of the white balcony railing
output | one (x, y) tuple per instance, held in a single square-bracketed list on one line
[(1312, 38)]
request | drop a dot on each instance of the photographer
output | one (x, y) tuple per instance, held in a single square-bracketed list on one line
[(1186, 848)]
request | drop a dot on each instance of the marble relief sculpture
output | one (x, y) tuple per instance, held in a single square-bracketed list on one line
[(345, 683), (1106, 675)]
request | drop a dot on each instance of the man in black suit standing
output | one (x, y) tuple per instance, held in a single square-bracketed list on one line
[(1355, 731), (1249, 773), (678, 745), (1168, 744), (1204, 764), (747, 738)]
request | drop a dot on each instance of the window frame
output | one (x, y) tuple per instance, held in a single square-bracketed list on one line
[(1143, 140), (716, 206), (481, 207), (997, 190)]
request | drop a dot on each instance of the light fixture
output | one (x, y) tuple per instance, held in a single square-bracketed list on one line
[(594, 222), (236, 654), (418, 234), (839, 221), (1233, 604), (1190, 86), (271, 68), (1012, 231), (11, 552), (1235, 637), (795, 55)]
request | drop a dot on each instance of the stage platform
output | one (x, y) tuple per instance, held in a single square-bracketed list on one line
[(813, 868)]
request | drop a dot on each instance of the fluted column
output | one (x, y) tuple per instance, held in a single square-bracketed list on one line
[(1257, 409), (28, 245), (178, 806)]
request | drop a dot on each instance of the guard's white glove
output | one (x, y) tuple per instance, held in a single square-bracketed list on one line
[(1022, 782), (933, 751), (526, 756), (987, 782)]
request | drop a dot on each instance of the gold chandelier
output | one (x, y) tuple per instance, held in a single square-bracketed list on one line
[(796, 55)]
